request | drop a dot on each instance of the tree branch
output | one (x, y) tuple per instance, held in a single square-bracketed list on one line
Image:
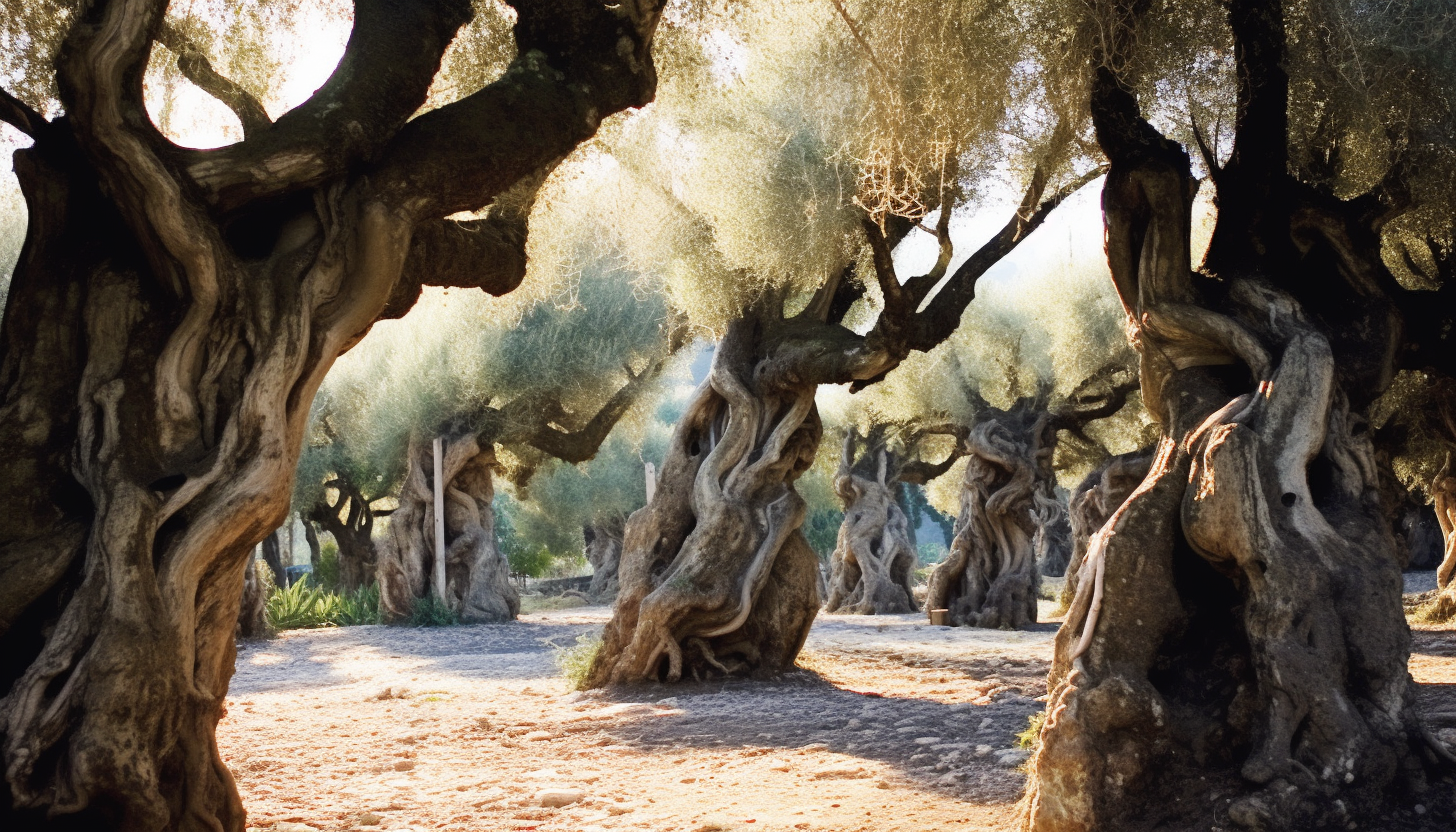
[(389, 62), (579, 61), (581, 445), (19, 115), (194, 65), (1087, 404)]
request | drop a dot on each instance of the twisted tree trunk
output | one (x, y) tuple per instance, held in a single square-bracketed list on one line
[(990, 576), (350, 520), (252, 622), (1443, 488), (1093, 504), (604, 553), (716, 577), (169, 322), (477, 576), (872, 569), (1238, 632)]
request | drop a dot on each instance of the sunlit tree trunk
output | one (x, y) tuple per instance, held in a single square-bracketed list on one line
[(1093, 503), (604, 553), (872, 569), (170, 319), (350, 521), (1238, 629)]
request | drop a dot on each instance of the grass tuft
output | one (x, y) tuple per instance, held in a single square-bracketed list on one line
[(575, 662), (430, 611)]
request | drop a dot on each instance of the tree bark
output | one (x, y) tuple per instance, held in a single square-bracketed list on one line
[(1443, 489), (604, 553), (1093, 504), (252, 622), (477, 575), (1238, 630), (170, 319), (872, 570), (716, 577), (990, 577)]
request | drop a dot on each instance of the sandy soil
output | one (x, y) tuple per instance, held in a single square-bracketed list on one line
[(890, 725)]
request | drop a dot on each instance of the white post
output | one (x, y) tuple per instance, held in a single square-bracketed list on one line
[(439, 519), (651, 471)]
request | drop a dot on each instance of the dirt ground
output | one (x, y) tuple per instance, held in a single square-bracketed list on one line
[(890, 725)]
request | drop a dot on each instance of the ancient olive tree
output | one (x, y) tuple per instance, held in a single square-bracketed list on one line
[(872, 569), (585, 507), (171, 316), (716, 575), (1235, 655), (1011, 521), (503, 386)]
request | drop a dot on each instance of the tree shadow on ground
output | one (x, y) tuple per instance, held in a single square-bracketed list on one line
[(932, 744)]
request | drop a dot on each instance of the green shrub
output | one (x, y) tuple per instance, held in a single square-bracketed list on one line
[(575, 662), (533, 562), (430, 611), (359, 607), (326, 574), (301, 606)]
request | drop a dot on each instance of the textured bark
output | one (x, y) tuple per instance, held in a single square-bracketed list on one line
[(604, 553), (273, 556), (252, 623), (477, 575), (872, 570), (716, 577), (164, 337), (1443, 489), (1093, 504), (1238, 629), (990, 576)]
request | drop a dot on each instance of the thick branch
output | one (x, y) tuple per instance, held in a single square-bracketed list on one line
[(581, 445), (579, 62), (194, 65), (1087, 403), (19, 115), (392, 56)]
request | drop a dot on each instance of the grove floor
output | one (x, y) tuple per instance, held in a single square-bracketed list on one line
[(890, 725)]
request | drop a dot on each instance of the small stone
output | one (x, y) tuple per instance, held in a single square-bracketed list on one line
[(290, 826), (927, 740), (780, 765), (537, 736), (370, 819), (985, 723), (854, 724), (1419, 809), (688, 780), (404, 765), (1012, 757), (555, 798), (983, 750), (840, 771), (669, 702)]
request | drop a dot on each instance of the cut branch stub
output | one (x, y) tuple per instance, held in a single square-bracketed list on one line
[(716, 577)]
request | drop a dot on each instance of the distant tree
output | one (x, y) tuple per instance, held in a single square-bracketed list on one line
[(174, 311), (872, 570)]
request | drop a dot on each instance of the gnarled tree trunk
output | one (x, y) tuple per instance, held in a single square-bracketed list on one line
[(252, 622), (872, 570), (350, 521), (477, 576), (1238, 631), (604, 553), (990, 577), (716, 577), (170, 319), (1092, 505), (1443, 489)]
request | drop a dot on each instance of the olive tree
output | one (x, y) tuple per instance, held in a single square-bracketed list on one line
[(1238, 631), (172, 314), (716, 575)]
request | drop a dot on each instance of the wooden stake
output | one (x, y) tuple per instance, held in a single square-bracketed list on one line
[(439, 519)]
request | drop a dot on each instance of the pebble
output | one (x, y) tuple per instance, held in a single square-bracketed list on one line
[(669, 702), (536, 736), (1012, 757), (290, 826), (370, 819), (403, 765), (927, 740), (985, 723), (983, 750), (555, 798)]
